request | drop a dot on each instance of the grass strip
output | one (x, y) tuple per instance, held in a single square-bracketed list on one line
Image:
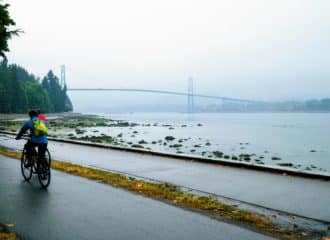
[(173, 195)]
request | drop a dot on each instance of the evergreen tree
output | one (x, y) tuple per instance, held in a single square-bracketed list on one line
[(16, 91), (57, 95), (5, 97), (5, 33), (20, 91), (37, 97)]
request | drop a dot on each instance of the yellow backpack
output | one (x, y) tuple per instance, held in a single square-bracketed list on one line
[(39, 128)]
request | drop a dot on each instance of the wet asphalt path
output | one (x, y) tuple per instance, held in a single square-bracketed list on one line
[(296, 195), (77, 208)]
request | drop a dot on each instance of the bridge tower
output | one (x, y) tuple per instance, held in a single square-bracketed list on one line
[(190, 106), (63, 80)]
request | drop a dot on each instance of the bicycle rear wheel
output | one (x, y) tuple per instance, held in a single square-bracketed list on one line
[(43, 170), (26, 171)]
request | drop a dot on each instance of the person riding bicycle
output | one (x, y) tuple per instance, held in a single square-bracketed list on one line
[(38, 136)]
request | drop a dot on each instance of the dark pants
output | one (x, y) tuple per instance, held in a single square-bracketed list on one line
[(41, 149)]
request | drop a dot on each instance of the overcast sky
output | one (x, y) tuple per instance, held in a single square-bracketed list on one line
[(256, 49)]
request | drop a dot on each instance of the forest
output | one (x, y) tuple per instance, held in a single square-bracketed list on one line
[(21, 91)]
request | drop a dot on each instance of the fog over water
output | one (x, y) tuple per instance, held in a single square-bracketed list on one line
[(267, 50)]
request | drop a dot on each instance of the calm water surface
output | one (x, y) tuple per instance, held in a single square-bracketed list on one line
[(299, 138)]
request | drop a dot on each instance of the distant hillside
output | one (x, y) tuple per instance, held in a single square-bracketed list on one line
[(20, 91), (116, 106), (313, 105)]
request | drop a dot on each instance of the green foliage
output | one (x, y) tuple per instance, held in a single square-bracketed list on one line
[(12, 95), (20, 91), (169, 138), (177, 145), (218, 154), (37, 97), (5, 32), (57, 94)]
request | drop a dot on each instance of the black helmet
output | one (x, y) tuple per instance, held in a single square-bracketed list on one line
[(33, 113)]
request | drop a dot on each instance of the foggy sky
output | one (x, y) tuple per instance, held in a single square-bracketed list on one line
[(256, 49)]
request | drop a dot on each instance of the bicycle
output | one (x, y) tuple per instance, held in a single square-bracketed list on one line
[(41, 167)]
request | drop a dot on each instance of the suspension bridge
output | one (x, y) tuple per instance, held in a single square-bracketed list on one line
[(189, 94)]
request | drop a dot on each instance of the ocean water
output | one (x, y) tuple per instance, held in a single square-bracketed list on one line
[(302, 139)]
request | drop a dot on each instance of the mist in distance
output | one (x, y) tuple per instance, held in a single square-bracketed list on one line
[(260, 50)]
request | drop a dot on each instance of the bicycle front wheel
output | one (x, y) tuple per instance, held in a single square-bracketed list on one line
[(43, 170), (26, 171)]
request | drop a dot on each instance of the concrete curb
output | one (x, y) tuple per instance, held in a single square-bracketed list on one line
[(194, 158)]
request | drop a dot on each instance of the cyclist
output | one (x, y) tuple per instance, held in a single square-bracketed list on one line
[(38, 137)]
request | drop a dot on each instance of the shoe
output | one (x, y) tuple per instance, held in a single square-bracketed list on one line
[(30, 163)]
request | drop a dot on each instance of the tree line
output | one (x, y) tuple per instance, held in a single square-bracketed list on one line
[(313, 105), (20, 91)]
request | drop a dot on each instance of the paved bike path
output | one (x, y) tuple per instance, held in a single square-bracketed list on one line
[(296, 195), (77, 208)]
